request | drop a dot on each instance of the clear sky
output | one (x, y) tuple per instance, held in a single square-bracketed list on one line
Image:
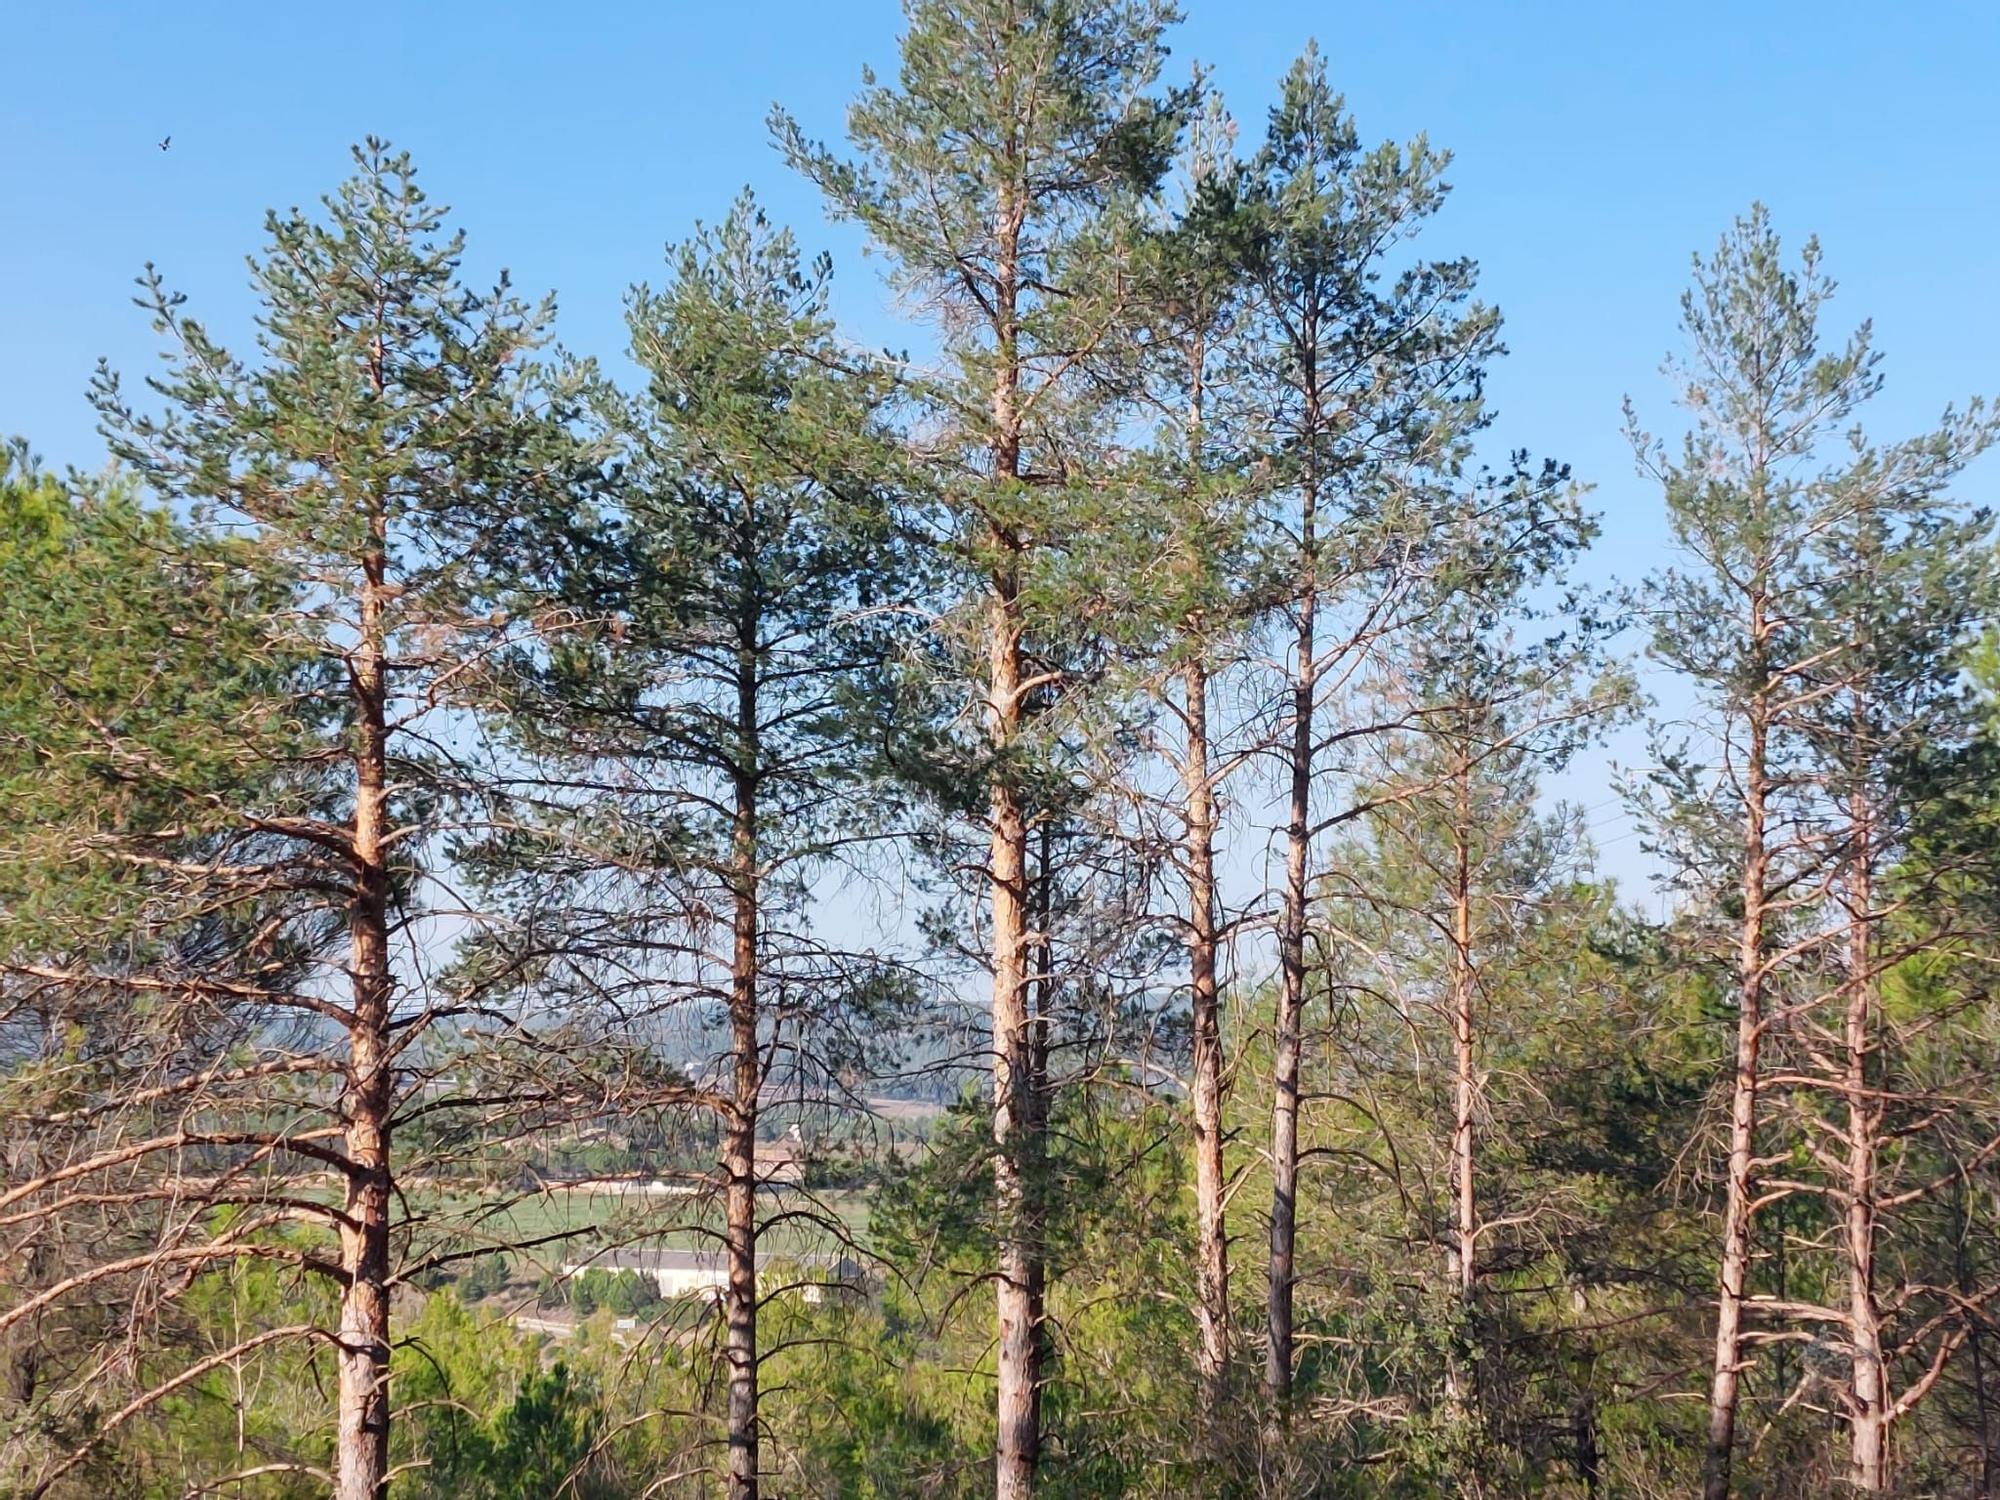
[(1597, 145)]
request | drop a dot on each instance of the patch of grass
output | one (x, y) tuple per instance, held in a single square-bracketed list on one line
[(562, 1219)]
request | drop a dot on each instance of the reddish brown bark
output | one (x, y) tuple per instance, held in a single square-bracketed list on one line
[(739, 1152), (361, 1451)]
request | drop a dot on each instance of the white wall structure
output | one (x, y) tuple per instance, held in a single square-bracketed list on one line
[(705, 1273)]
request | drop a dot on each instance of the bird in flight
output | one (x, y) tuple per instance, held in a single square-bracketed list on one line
[(168, 141)]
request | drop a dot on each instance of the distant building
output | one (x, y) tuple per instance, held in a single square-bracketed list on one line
[(780, 1163), (617, 1187), (705, 1273)]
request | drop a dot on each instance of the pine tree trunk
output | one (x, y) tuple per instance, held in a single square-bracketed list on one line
[(1583, 1446), (1019, 1283), (740, 1140), (1735, 1270), (1465, 1243), (1013, 1110), (1467, 1083), (1043, 1007), (747, 1059), (1038, 1266), (1292, 973), (1211, 1236), (1868, 1421), (1975, 1349), (740, 1228), (361, 1454), (1989, 1450)]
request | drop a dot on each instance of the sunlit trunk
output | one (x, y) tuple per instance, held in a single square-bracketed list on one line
[(1211, 1236), (1869, 1416), (361, 1452), (1018, 1284), (1726, 1381), (1285, 1062), (1465, 1091)]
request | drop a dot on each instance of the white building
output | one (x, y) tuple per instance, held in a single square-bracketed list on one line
[(705, 1273)]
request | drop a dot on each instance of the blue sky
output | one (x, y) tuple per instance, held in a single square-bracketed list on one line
[(1597, 146)]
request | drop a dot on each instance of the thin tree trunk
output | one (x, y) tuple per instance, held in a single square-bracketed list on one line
[(1583, 1450), (1211, 1235), (1868, 1420), (1016, 1439), (1466, 1256), (1013, 1106), (1465, 1242), (740, 1139), (1725, 1385), (1205, 1091), (361, 1455), (1043, 993), (1292, 966), (1975, 1348)]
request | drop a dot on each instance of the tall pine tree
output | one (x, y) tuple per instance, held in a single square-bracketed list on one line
[(986, 173), (1372, 369), (350, 485), (697, 741)]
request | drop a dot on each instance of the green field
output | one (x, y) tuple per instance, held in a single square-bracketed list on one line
[(794, 1221)]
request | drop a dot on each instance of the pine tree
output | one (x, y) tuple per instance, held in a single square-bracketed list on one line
[(1506, 680), (989, 174), (698, 741), (1194, 568), (1372, 373), (349, 487), (1902, 586), (1746, 498), (129, 679)]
